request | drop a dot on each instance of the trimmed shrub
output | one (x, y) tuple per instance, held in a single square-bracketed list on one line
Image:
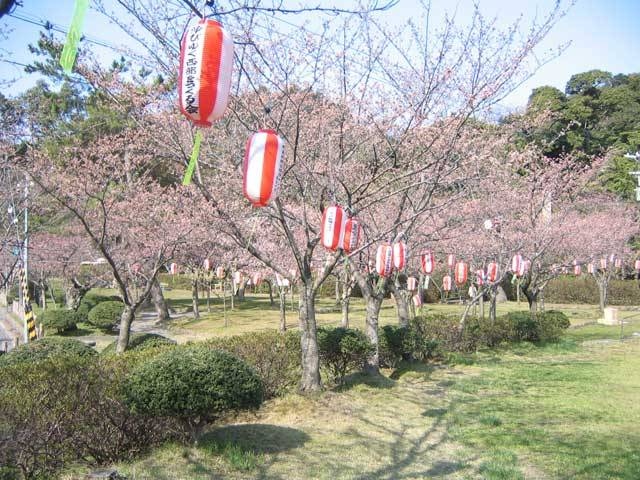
[(392, 345), (193, 384), (62, 410), (140, 341), (523, 325), (106, 315), (45, 348), (551, 325), (275, 357), (583, 289), (58, 319), (343, 350)]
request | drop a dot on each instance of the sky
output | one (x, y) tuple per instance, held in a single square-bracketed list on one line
[(602, 34)]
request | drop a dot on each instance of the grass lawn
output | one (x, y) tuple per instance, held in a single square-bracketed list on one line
[(562, 411)]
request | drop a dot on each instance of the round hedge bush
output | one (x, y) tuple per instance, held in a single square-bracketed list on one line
[(45, 348), (58, 319), (106, 315), (194, 384), (141, 341)]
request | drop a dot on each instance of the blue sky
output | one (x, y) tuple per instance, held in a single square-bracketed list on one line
[(604, 34)]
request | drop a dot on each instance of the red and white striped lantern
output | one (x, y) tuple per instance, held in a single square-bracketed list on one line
[(446, 283), (637, 265), (480, 277), (206, 264), (204, 78), (333, 225), (220, 273), (417, 300), (591, 268), (461, 273), (173, 268), (577, 270), (492, 272), (262, 167), (384, 260), (412, 284), (351, 235), (516, 263), (603, 263), (427, 262), (256, 279), (524, 268), (451, 260), (237, 277), (399, 255), (618, 263)]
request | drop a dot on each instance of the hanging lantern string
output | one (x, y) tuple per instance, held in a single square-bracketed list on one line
[(194, 8)]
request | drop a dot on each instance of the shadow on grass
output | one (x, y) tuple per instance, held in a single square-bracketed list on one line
[(255, 438), (360, 378), (424, 370)]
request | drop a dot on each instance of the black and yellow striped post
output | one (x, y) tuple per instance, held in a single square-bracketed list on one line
[(29, 318)]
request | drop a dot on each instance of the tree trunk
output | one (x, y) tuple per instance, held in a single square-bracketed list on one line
[(43, 295), (338, 297), (371, 329), (74, 294), (128, 315), (493, 305), (194, 298), (344, 323), (309, 340), (402, 305), (602, 292), (283, 310), (270, 292), (162, 310), (532, 298)]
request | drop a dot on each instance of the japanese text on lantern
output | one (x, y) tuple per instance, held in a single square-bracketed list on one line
[(192, 70)]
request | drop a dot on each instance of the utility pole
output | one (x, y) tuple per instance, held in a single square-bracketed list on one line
[(25, 247)]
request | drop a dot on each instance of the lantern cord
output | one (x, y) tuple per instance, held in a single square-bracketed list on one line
[(193, 8)]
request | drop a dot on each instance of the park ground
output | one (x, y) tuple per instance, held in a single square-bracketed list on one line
[(568, 410)]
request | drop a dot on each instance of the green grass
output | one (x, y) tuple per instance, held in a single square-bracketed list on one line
[(568, 410), (570, 415)]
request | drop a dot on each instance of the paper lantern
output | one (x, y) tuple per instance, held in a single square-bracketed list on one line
[(204, 78), (412, 284), (446, 283), (173, 268), (333, 225), (637, 265), (524, 267), (591, 268), (206, 264), (612, 258), (417, 300), (516, 263), (351, 235), (256, 279), (461, 273), (451, 260), (577, 270), (220, 273), (427, 262), (492, 272), (480, 277), (603, 263), (281, 281), (262, 167), (399, 255), (237, 278), (384, 260), (618, 263)]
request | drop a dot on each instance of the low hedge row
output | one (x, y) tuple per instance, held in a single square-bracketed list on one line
[(584, 289)]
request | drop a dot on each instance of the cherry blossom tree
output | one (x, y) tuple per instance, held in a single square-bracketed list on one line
[(109, 192)]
